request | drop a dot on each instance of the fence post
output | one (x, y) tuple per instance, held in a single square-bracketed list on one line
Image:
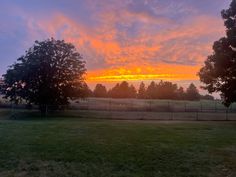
[(215, 106), (227, 110), (12, 109), (170, 110), (131, 105), (197, 116), (110, 109), (88, 104), (168, 104), (150, 105), (172, 116), (110, 104), (46, 110)]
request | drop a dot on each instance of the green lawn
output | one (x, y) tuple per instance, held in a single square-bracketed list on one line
[(105, 148)]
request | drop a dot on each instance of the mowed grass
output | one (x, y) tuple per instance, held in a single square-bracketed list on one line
[(105, 148)]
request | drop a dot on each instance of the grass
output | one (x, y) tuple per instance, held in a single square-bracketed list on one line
[(62, 147)]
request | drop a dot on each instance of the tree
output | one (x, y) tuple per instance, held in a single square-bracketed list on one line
[(192, 93), (151, 91), (114, 92), (132, 92), (166, 90), (86, 91), (100, 91), (50, 73), (219, 71), (180, 93), (123, 90), (142, 91)]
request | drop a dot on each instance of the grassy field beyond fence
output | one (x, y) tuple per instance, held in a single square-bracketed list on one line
[(131, 109), (152, 105)]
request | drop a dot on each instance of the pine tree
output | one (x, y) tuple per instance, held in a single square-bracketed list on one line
[(142, 91), (192, 93), (152, 91)]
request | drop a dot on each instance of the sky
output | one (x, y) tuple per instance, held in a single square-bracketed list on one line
[(133, 40)]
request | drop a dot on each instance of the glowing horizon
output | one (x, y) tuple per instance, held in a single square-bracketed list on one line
[(165, 72)]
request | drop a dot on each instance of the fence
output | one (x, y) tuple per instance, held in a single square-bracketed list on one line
[(157, 109), (151, 105), (138, 109)]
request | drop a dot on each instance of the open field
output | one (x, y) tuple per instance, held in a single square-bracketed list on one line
[(59, 147)]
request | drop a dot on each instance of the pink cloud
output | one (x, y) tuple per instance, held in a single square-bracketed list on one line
[(107, 48)]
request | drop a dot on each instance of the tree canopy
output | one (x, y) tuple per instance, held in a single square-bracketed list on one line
[(219, 71), (100, 91), (141, 91), (50, 73), (161, 90), (192, 93), (123, 90)]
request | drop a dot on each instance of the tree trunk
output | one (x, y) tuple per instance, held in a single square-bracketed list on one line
[(43, 110)]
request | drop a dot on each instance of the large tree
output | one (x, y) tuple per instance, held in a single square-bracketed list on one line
[(219, 71), (50, 73)]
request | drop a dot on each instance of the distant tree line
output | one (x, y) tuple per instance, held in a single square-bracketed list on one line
[(161, 90)]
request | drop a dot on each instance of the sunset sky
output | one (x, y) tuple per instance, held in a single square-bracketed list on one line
[(138, 40)]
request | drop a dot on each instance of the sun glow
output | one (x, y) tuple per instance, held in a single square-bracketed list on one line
[(162, 72), (135, 77)]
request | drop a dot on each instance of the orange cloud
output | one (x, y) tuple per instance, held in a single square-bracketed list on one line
[(136, 73), (112, 55)]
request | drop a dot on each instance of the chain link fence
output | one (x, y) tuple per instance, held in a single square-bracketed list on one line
[(131, 109)]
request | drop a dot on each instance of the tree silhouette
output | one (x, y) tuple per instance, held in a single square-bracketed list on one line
[(114, 92), (166, 90), (100, 91), (152, 90), (50, 73), (180, 93), (142, 91), (192, 93), (162, 90), (123, 90), (86, 91), (219, 71), (132, 92)]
